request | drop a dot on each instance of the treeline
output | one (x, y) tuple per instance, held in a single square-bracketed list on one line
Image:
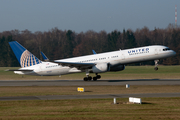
[(58, 44)]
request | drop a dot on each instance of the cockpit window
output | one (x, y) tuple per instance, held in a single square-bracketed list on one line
[(166, 49)]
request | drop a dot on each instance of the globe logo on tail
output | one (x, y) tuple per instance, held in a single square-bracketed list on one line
[(28, 59)]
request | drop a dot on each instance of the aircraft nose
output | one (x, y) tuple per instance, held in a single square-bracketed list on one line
[(174, 53)]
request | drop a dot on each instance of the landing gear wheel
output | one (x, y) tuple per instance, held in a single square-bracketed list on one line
[(98, 76), (89, 78), (156, 68), (85, 79), (94, 78)]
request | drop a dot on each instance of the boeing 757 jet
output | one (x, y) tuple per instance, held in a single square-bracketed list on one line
[(95, 63)]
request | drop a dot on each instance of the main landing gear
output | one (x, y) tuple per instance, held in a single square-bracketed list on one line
[(89, 78), (156, 64)]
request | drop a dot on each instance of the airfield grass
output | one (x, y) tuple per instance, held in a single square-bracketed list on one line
[(130, 72), (88, 109), (89, 90), (96, 109)]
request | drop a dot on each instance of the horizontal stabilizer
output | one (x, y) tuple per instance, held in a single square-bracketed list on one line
[(23, 70)]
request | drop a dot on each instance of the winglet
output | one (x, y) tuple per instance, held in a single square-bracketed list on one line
[(94, 52), (44, 57)]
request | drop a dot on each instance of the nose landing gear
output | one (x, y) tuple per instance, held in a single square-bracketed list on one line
[(156, 64)]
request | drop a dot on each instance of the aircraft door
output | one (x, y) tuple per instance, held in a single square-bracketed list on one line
[(156, 51)]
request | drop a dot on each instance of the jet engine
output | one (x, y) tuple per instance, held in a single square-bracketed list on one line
[(100, 68), (117, 68)]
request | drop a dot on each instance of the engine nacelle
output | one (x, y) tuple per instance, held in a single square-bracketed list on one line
[(117, 68), (100, 68)]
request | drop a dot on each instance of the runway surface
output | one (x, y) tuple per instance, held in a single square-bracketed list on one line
[(85, 83), (60, 97), (88, 83)]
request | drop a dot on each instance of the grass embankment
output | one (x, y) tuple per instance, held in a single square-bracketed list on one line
[(130, 72), (96, 109)]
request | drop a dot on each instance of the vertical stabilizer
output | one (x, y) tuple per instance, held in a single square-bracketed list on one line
[(24, 57)]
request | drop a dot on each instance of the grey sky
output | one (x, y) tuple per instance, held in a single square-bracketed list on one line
[(84, 15)]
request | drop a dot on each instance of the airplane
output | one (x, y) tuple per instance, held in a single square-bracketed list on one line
[(95, 63)]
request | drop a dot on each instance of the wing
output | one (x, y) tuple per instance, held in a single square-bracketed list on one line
[(78, 65)]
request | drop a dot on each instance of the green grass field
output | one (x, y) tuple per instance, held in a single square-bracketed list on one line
[(131, 72), (88, 109), (96, 109)]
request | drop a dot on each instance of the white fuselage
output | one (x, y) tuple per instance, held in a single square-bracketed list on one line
[(114, 58)]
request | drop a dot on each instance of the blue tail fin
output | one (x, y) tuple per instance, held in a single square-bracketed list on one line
[(24, 57)]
